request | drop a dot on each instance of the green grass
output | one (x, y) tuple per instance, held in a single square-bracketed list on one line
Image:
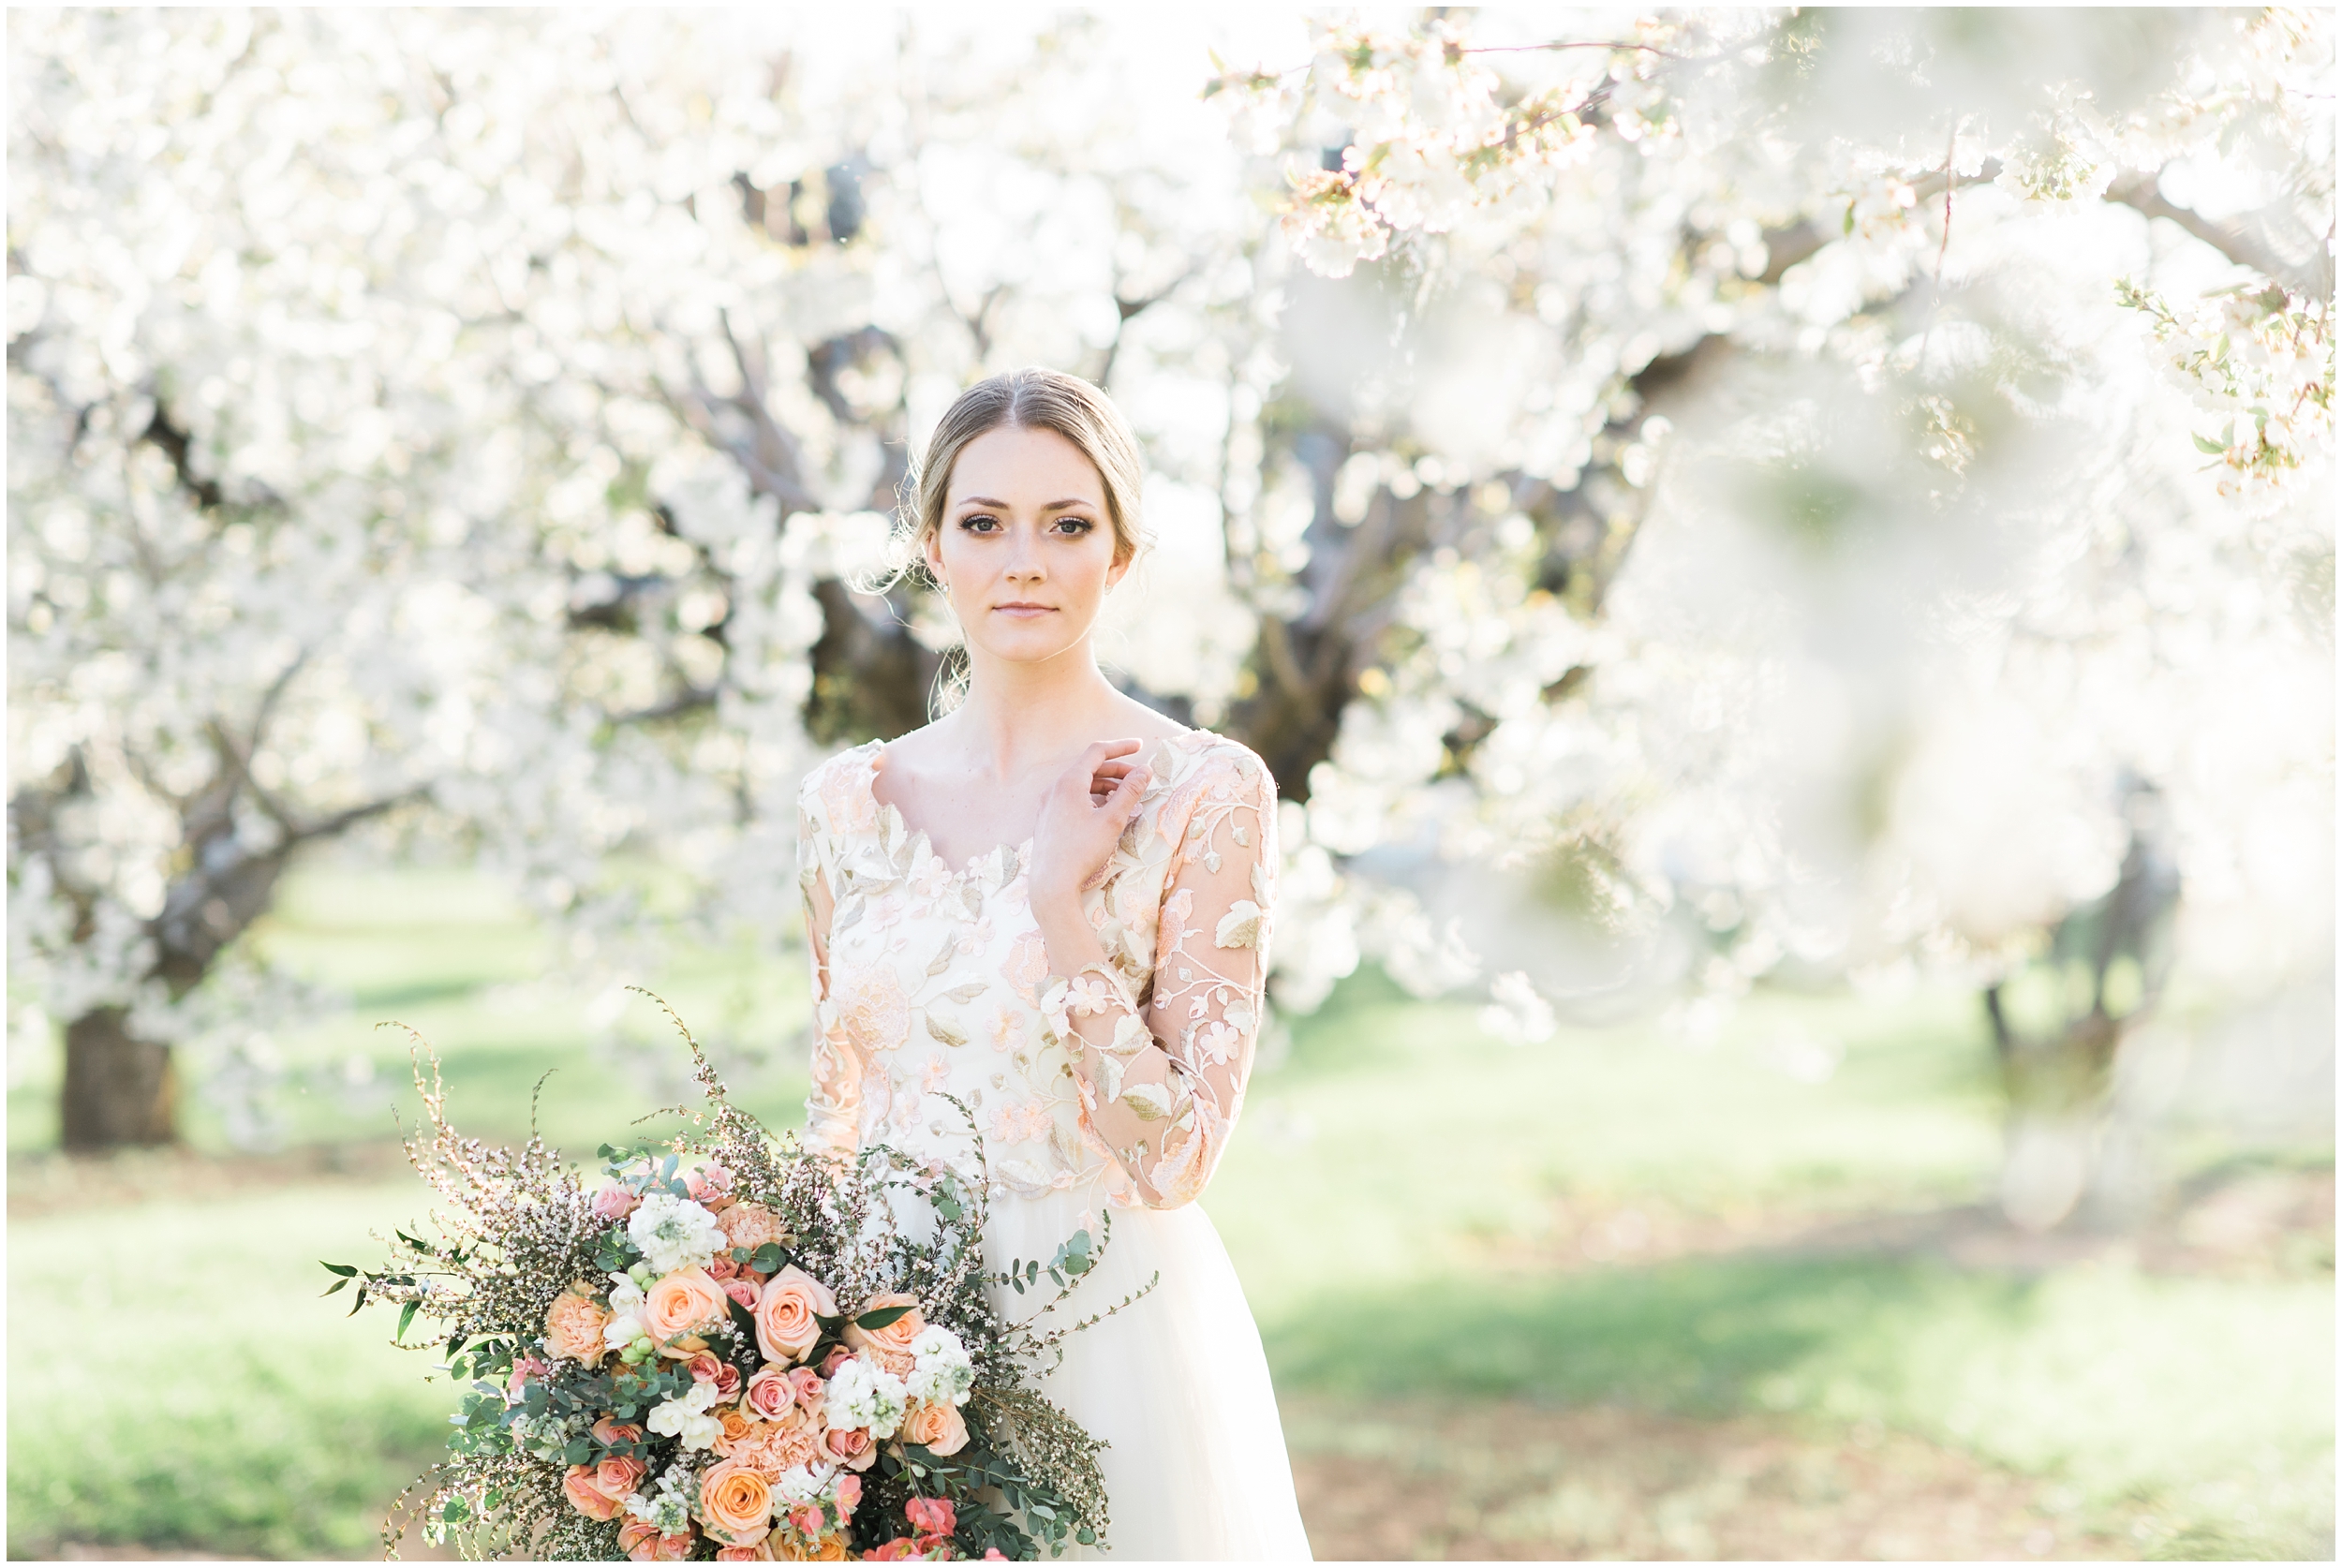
[(175, 1381), (1397, 1173)]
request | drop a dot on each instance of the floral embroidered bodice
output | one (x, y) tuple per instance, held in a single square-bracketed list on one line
[(929, 981)]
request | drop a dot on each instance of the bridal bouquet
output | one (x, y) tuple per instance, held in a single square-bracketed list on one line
[(734, 1350)]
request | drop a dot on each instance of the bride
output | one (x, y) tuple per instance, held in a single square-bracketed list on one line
[(1053, 903)]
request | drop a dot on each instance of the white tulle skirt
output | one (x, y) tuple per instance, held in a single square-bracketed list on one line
[(1177, 1385)]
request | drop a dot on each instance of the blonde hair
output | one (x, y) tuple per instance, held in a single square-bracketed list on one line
[(1028, 399)]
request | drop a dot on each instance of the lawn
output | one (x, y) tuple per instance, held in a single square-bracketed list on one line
[(1425, 1219)]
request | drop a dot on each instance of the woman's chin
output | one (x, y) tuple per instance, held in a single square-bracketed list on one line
[(1035, 644)]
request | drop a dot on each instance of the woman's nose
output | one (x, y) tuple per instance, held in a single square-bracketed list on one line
[(1023, 560)]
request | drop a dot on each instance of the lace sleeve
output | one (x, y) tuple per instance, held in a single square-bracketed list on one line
[(833, 1110), (1164, 1082)]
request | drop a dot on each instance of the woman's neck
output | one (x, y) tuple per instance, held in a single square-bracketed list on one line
[(1018, 717)]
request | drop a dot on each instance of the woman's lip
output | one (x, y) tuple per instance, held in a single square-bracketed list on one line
[(1023, 609)]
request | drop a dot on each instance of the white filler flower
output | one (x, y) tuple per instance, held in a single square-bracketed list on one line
[(942, 1373), (863, 1394), (686, 1417), (675, 1233)]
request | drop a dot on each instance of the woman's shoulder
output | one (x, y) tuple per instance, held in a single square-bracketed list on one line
[(1199, 768), (836, 793), (1207, 751)]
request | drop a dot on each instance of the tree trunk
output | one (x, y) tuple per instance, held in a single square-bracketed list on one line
[(119, 1089)]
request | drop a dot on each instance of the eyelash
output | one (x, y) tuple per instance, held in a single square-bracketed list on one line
[(1078, 525)]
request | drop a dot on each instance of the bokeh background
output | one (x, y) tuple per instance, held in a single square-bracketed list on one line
[(1784, 565)]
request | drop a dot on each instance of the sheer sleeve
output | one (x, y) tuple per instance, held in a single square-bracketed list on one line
[(1164, 1074), (833, 1110)]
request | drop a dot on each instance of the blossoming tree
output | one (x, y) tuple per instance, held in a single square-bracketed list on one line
[(1717, 463), (1845, 325)]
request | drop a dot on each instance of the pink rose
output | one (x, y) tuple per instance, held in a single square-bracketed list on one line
[(849, 1447), (811, 1391), (745, 1292), (616, 1202), (761, 1552), (613, 1432), (722, 1267), (573, 1325), (588, 1498), (771, 1395), (786, 1314), (711, 1188), (619, 1479), (525, 1370), (849, 1495), (683, 1301), (642, 1543), (839, 1355)]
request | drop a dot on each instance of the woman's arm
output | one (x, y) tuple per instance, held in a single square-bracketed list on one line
[(1162, 1085)]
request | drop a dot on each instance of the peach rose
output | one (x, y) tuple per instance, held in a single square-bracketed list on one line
[(785, 1314), (588, 1498), (937, 1428), (616, 1202), (736, 1504), (683, 1301), (771, 1395), (736, 1425), (751, 1225), (829, 1548), (613, 1431), (573, 1325), (761, 1552), (721, 1267), (887, 1345), (643, 1544)]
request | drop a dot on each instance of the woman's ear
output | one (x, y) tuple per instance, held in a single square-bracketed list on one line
[(932, 548)]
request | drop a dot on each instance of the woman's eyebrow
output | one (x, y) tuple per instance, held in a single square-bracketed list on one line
[(1053, 506)]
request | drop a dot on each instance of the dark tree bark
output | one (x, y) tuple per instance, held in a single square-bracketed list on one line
[(119, 1091), (2058, 1081)]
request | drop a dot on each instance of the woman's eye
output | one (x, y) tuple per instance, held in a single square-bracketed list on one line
[(980, 524), (1074, 525)]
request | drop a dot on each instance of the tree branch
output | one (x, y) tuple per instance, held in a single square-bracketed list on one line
[(2312, 279)]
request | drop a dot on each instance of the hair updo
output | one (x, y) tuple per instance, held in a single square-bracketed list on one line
[(1028, 399)]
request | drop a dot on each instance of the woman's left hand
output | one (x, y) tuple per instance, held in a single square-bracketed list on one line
[(1082, 818)]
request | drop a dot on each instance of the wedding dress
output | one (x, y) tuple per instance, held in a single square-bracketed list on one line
[(931, 981)]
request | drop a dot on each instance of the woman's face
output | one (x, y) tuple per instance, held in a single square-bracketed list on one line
[(1026, 551)]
